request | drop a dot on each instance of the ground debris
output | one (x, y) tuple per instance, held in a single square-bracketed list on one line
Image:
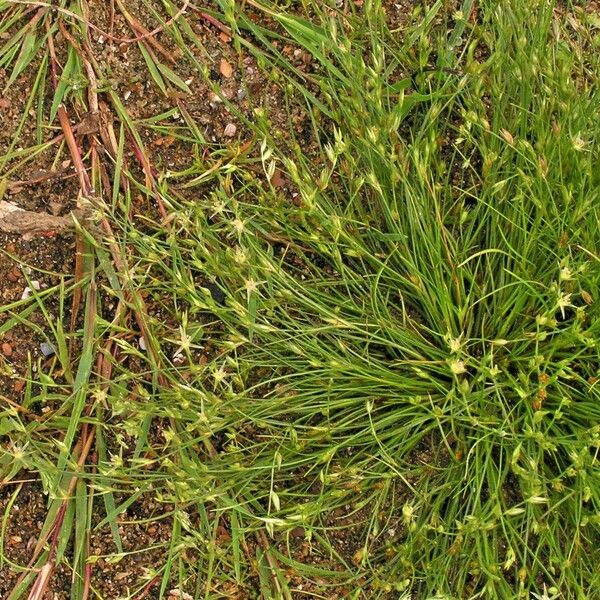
[(14, 219)]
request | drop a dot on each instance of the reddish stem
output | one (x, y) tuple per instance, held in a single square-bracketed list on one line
[(149, 586)]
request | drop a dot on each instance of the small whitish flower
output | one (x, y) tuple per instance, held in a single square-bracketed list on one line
[(458, 367), (218, 208), (566, 274), (564, 300), (270, 170), (238, 225), (239, 255), (408, 512), (579, 143), (409, 516), (251, 286), (494, 371), (100, 396), (454, 345), (219, 375), (544, 321), (116, 460), (547, 594), (185, 341), (336, 225), (18, 452), (309, 197)]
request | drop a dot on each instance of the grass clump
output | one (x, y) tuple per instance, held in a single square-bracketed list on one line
[(399, 344), (416, 334)]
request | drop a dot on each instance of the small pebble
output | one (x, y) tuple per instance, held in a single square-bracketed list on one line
[(7, 349), (56, 208), (177, 593), (47, 349), (230, 130), (35, 285), (225, 69), (142, 343)]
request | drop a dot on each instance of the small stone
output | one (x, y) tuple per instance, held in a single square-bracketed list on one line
[(225, 69), (230, 130), (215, 98), (7, 349), (277, 180), (13, 276), (56, 208), (177, 593), (35, 285), (47, 349), (142, 343)]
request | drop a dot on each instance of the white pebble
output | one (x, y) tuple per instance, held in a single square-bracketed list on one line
[(47, 349), (35, 285), (230, 130)]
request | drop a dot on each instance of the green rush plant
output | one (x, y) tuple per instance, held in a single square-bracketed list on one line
[(374, 337)]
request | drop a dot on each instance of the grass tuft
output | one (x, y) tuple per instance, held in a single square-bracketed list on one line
[(396, 347)]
